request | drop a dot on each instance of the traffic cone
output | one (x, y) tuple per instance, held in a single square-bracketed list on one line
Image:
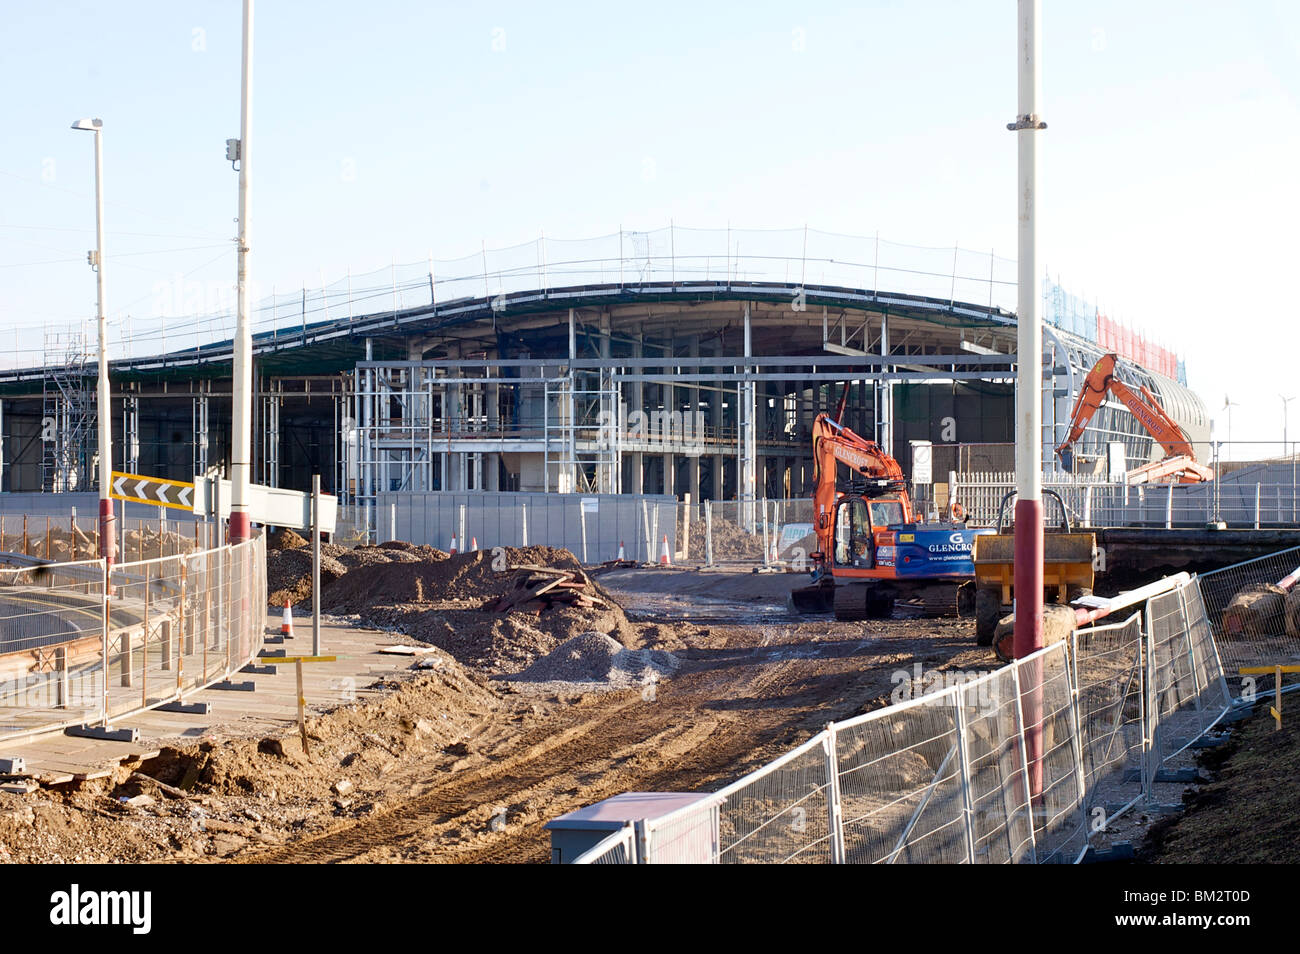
[(286, 622), (622, 554), (663, 553), (473, 544), (452, 551)]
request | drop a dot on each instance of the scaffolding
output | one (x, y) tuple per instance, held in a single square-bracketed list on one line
[(68, 431)]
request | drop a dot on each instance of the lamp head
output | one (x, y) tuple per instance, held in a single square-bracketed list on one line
[(91, 124)]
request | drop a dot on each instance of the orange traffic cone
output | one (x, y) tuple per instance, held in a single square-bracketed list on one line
[(286, 622), (473, 544), (663, 553), (622, 554), (452, 551)]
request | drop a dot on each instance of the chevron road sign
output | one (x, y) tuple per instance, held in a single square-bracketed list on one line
[(152, 490)]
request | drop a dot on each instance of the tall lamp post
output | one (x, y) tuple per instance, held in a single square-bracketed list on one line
[(241, 450), (103, 414), (1029, 343)]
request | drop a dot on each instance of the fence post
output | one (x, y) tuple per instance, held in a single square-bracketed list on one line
[(523, 523), (1256, 506), (1024, 764), (686, 529), (1087, 506), (1169, 507), (645, 520), (1149, 718), (61, 668), (834, 815), (963, 758), (766, 553), (104, 639), (642, 843), (708, 533)]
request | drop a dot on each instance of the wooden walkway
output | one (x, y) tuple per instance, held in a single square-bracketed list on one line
[(269, 709)]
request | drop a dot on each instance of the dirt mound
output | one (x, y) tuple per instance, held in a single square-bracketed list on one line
[(286, 539), (466, 577), (288, 575), (502, 642), (595, 657), (730, 542)]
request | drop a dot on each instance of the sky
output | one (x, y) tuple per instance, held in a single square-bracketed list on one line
[(395, 131)]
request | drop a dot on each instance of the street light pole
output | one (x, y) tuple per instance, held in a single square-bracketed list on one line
[(1029, 344), (103, 411), (241, 450)]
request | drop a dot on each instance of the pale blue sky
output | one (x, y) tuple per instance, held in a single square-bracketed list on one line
[(394, 130)]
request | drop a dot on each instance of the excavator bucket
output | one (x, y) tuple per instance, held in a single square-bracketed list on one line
[(818, 597)]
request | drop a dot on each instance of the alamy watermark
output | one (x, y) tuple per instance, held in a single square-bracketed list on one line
[(684, 430), (919, 683)]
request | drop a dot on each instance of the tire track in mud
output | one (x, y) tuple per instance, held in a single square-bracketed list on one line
[(585, 745), (748, 696)]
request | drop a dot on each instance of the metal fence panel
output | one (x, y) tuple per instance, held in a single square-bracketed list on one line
[(592, 526), (1001, 824), (1251, 619), (174, 624), (1108, 679), (1053, 756), (781, 813), (900, 783)]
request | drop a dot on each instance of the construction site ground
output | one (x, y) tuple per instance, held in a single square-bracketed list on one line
[(1249, 810), (465, 759)]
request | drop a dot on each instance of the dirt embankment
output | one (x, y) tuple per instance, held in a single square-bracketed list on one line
[(1249, 813), (209, 800)]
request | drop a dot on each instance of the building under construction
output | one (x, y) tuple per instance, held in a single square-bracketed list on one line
[(676, 361)]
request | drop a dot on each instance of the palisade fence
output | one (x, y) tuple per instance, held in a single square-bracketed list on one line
[(78, 649), (1024, 764)]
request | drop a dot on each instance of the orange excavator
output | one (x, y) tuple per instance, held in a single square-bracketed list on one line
[(871, 551), (1180, 463)]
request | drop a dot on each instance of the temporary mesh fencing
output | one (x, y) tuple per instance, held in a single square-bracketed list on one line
[(1024, 764), (76, 648), (619, 848), (1253, 614)]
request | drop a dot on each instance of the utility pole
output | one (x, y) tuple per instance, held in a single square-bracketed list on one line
[(242, 372), (1029, 345), (103, 411)]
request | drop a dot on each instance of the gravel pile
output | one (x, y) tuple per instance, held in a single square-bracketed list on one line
[(593, 657)]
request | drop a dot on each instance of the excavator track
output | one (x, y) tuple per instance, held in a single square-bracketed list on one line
[(854, 601), (944, 599), (850, 602)]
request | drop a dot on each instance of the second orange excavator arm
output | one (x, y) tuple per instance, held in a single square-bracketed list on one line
[(1101, 381)]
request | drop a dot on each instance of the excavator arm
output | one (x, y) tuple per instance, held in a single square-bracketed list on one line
[(833, 444), (1180, 461)]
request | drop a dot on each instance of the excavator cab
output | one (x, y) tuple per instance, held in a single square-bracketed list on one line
[(856, 522)]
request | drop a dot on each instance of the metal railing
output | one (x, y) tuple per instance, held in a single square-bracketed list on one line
[(78, 646), (1023, 764), (672, 255)]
